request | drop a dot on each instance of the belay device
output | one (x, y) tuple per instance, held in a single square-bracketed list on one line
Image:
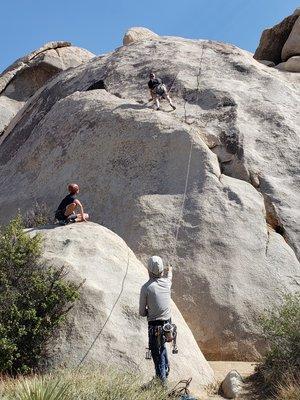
[(165, 334)]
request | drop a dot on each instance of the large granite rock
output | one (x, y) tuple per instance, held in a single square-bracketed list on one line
[(292, 45), (291, 65), (273, 40), (99, 257), (239, 233), (232, 385), (138, 34), (25, 76)]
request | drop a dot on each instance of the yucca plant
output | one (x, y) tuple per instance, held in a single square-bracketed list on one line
[(43, 389)]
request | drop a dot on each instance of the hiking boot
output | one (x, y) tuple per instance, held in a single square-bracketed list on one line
[(174, 108), (157, 109)]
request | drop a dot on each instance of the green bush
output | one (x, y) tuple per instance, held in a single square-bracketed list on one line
[(34, 300), (281, 328)]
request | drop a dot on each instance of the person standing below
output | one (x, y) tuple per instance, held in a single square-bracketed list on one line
[(158, 90), (65, 212), (155, 304)]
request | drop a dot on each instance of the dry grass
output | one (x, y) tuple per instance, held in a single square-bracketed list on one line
[(289, 391), (86, 385)]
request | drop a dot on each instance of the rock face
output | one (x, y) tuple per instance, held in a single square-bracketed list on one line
[(138, 34), (236, 132), (23, 78), (267, 63), (273, 40), (281, 44), (291, 65), (101, 258), (292, 45)]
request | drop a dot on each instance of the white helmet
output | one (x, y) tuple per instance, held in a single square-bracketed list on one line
[(155, 265)]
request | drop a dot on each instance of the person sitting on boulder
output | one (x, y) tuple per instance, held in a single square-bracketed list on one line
[(155, 304), (158, 90), (65, 212)]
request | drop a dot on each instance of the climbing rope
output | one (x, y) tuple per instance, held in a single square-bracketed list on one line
[(180, 218), (185, 98), (178, 225), (181, 388), (172, 84), (108, 317)]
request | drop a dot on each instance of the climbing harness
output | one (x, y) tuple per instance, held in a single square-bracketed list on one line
[(166, 333)]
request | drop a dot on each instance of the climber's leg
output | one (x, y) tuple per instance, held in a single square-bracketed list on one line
[(167, 97), (70, 209), (156, 100)]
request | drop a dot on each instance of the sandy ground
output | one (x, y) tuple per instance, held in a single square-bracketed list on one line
[(221, 369)]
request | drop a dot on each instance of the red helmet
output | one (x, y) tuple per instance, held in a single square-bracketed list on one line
[(73, 188)]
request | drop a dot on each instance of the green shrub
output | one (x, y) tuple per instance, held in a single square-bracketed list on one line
[(34, 300), (281, 328)]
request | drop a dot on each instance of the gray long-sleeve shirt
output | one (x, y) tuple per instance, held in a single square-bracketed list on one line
[(155, 298)]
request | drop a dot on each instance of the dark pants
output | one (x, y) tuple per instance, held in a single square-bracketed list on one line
[(159, 353)]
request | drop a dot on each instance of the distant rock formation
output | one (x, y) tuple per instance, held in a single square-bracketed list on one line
[(99, 257), (236, 121), (281, 44), (25, 76), (138, 34)]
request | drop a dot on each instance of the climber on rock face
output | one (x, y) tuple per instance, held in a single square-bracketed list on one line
[(158, 90), (155, 304), (65, 212)]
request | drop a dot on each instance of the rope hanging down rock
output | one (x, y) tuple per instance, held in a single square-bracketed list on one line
[(178, 225), (180, 218), (108, 317), (127, 267)]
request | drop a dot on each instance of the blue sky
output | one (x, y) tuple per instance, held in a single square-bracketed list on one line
[(99, 26)]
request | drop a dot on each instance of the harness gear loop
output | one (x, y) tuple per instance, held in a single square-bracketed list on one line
[(165, 333)]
